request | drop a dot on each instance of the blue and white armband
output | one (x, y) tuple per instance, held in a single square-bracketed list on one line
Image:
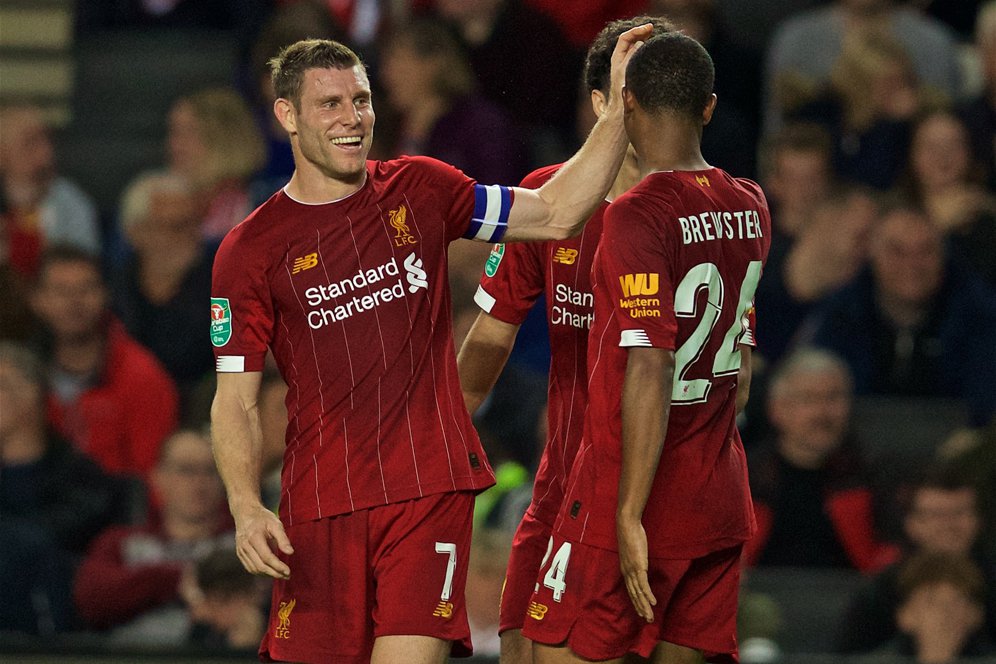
[(492, 204)]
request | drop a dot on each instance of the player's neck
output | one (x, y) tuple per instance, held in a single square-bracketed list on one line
[(670, 147), (629, 175), (311, 186)]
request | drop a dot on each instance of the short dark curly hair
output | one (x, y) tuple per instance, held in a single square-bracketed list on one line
[(598, 62), (671, 73)]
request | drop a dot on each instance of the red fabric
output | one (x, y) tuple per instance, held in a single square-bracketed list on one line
[(561, 271), (24, 245), (371, 573), (121, 422), (581, 21), (850, 512), (353, 298), (109, 592), (853, 519), (696, 604), (677, 264), (528, 549)]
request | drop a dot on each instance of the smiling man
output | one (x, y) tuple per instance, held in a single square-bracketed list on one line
[(342, 275)]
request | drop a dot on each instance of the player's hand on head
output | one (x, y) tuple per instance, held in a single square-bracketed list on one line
[(627, 44), (257, 533), (633, 562)]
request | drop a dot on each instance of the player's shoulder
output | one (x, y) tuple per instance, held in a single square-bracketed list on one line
[(260, 222), (751, 188), (540, 176), (415, 167)]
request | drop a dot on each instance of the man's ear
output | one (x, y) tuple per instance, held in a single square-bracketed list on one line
[(598, 102), (286, 114), (709, 110), (629, 101)]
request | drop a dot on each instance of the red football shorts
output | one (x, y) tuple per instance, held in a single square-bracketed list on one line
[(396, 569), (528, 547), (582, 603)]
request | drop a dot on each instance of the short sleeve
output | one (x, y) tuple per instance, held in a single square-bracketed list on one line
[(475, 211), (241, 307), (636, 266), (512, 282)]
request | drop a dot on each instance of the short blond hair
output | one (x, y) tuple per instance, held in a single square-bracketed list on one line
[(228, 129), (137, 197)]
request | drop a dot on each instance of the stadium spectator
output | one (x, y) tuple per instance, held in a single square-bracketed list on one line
[(940, 610), (214, 142), (927, 326), (429, 82), (868, 107), (108, 395), (225, 602), (41, 206), (159, 293), (979, 113), (130, 581), (805, 48), (53, 501), (523, 63), (826, 254), (942, 517), (812, 500), (946, 183)]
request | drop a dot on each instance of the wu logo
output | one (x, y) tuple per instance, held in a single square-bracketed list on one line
[(417, 278), (640, 283), (565, 256), (399, 221), (282, 630), (703, 181), (304, 263)]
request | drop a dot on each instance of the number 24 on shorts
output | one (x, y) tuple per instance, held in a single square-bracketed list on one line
[(555, 577)]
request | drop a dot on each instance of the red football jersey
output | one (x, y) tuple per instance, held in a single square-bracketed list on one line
[(352, 298), (514, 277), (679, 260)]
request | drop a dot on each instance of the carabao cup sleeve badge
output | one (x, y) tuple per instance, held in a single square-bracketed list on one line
[(221, 321), (491, 267)]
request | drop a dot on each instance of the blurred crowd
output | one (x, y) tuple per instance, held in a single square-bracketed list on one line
[(871, 434)]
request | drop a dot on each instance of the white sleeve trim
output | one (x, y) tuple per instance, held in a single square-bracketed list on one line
[(484, 299), (630, 338), (231, 364)]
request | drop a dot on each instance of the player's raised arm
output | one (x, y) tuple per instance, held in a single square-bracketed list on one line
[(482, 357), (560, 207), (238, 442)]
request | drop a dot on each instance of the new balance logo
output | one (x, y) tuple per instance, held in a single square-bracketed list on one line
[(703, 181), (444, 610), (537, 611), (565, 256), (304, 263), (640, 283), (417, 278)]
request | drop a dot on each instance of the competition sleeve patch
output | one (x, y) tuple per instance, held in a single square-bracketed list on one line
[(484, 299), (492, 204)]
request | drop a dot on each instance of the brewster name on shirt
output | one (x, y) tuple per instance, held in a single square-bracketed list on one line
[(723, 225), (562, 315), (368, 280)]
